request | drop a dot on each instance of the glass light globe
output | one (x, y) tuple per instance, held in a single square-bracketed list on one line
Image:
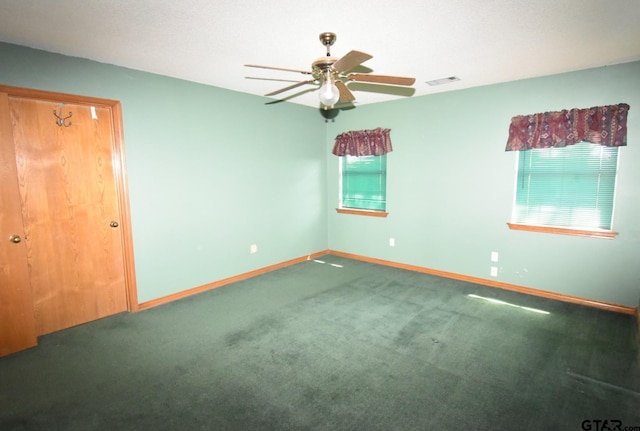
[(329, 93)]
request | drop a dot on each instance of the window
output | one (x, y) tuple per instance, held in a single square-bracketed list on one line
[(363, 184), (571, 187)]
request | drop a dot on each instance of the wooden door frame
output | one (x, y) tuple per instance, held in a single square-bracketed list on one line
[(119, 173)]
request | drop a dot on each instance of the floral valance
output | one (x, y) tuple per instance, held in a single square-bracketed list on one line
[(604, 125), (374, 142)]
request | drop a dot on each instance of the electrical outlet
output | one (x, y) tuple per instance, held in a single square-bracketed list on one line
[(494, 256), (253, 249), (392, 242), (494, 271)]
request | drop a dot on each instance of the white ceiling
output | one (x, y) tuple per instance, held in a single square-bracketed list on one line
[(208, 41)]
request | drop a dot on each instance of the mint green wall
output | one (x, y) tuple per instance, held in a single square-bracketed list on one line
[(210, 171), (451, 185)]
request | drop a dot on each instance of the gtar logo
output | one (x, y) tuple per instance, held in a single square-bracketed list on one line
[(602, 425)]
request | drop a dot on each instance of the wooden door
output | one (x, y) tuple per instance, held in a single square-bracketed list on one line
[(69, 210), (17, 324)]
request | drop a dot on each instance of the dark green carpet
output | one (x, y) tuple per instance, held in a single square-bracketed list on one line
[(322, 347)]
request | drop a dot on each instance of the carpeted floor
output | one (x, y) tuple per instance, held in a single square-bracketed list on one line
[(339, 345)]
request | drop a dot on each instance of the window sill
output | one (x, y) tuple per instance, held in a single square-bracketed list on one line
[(370, 213), (564, 231)]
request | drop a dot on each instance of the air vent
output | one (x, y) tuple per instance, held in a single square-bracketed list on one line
[(443, 80)]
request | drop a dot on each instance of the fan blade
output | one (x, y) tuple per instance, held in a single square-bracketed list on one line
[(351, 60), (291, 87), (345, 94), (259, 78), (306, 72), (381, 79)]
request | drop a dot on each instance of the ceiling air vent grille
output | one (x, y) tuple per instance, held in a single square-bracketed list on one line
[(441, 81)]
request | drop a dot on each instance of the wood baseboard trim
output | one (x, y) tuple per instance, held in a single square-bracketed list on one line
[(486, 282), (492, 283), (190, 292)]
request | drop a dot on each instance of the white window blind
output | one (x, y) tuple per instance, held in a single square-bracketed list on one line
[(571, 187)]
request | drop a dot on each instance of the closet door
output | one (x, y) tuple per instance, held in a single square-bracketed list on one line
[(69, 206), (17, 324)]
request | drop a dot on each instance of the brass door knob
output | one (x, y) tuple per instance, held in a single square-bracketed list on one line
[(113, 224), (15, 238)]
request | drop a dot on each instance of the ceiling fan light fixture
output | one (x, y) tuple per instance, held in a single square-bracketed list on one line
[(333, 74), (329, 93)]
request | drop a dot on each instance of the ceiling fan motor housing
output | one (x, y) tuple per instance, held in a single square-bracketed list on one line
[(323, 64)]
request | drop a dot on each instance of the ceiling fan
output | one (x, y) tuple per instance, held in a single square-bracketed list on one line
[(331, 74)]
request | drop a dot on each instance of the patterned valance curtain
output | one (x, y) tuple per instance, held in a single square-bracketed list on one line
[(374, 142), (604, 125)]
